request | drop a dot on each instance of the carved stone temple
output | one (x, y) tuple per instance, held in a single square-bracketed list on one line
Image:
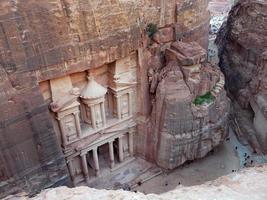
[(94, 112), (93, 117), (86, 87)]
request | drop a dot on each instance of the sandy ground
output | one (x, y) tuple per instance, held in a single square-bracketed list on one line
[(229, 157), (222, 161), (226, 159)]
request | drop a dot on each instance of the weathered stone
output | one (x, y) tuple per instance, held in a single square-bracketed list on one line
[(164, 35), (234, 186), (192, 21), (186, 53), (184, 131), (43, 41), (243, 48)]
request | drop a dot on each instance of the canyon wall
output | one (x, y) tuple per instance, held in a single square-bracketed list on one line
[(190, 106), (243, 49), (44, 40)]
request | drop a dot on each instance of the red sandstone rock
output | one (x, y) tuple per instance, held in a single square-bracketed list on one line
[(44, 40), (192, 21), (164, 35), (184, 131), (186, 54), (242, 47)]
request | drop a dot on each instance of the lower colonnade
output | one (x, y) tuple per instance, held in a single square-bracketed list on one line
[(120, 149)]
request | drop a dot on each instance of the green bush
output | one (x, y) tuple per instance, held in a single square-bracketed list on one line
[(151, 29), (204, 99)]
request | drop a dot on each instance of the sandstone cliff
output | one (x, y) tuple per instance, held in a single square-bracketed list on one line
[(44, 40), (190, 106), (243, 48)]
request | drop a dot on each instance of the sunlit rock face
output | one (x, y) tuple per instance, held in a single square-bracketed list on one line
[(185, 129), (234, 186), (46, 43), (193, 21), (243, 49)]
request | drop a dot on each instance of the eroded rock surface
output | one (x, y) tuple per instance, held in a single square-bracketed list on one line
[(243, 52), (41, 41), (184, 130), (246, 185)]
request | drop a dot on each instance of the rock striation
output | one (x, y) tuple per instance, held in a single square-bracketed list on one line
[(243, 53), (246, 185), (46, 51), (183, 128)]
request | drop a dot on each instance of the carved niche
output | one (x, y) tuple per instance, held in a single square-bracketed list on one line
[(122, 80), (66, 108)]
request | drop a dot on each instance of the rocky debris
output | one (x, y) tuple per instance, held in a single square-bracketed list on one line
[(242, 45), (186, 54), (164, 35), (246, 185), (184, 130)]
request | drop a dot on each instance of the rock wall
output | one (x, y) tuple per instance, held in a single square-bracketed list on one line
[(43, 40), (233, 186), (182, 128), (243, 48)]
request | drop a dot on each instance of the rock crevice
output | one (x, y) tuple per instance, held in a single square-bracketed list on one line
[(242, 45)]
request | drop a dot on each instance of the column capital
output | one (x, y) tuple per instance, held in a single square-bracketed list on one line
[(69, 160), (111, 141), (83, 153), (131, 131), (95, 148), (117, 95), (59, 118), (76, 113)]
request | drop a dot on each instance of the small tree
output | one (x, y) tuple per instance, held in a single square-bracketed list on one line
[(204, 99), (151, 29)]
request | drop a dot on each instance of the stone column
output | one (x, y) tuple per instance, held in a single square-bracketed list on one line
[(85, 168), (95, 157), (131, 148), (83, 112), (111, 155), (71, 170), (78, 125), (118, 106), (130, 103), (93, 120), (63, 134), (120, 149), (103, 113)]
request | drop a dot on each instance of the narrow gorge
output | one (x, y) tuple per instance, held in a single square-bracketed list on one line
[(143, 96)]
